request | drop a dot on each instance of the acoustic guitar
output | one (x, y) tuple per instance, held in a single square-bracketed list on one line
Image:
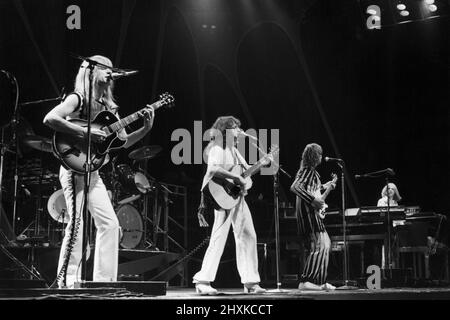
[(226, 193)]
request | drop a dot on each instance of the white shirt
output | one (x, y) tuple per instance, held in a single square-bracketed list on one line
[(224, 158), (383, 202)]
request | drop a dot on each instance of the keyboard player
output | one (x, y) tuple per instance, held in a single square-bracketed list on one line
[(391, 194)]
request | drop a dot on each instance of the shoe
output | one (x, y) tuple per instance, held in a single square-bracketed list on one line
[(253, 288), (205, 289), (328, 287), (309, 286)]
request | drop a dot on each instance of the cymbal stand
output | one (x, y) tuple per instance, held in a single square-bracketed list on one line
[(15, 123), (145, 208), (3, 149)]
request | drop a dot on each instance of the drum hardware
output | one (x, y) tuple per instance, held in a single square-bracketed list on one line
[(133, 184)]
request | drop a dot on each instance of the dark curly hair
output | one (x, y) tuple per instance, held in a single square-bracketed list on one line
[(311, 155), (218, 131), (220, 126)]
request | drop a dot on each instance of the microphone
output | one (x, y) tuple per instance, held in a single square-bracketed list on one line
[(388, 171), (328, 159), (242, 133), (117, 75)]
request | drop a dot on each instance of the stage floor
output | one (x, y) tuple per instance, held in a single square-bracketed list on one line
[(237, 294)]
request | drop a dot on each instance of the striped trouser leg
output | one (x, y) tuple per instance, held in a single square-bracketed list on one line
[(315, 269)]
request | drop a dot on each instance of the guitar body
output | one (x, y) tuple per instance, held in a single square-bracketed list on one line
[(322, 211), (71, 151), (225, 192)]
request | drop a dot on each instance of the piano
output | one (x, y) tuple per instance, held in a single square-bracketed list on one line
[(365, 221)]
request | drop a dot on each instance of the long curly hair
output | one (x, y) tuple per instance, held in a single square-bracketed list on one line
[(311, 155), (219, 130)]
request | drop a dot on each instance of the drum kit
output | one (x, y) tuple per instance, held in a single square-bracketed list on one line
[(24, 178), (131, 189)]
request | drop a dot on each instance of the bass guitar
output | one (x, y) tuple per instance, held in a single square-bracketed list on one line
[(226, 193), (71, 151), (321, 212)]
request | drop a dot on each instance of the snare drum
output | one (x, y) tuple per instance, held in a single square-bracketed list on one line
[(132, 226), (133, 184)]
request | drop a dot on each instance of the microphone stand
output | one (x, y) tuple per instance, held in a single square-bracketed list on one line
[(277, 218), (377, 174), (60, 98), (388, 218), (87, 172), (346, 281)]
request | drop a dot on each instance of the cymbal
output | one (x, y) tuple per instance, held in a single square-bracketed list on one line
[(38, 143), (146, 152)]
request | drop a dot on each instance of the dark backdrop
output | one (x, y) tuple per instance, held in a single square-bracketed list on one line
[(311, 69)]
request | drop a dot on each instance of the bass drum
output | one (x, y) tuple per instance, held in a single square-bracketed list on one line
[(132, 227)]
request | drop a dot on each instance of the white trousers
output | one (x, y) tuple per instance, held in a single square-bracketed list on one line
[(106, 223), (245, 239)]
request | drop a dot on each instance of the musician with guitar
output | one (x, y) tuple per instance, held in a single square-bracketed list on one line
[(70, 147), (310, 210), (224, 185)]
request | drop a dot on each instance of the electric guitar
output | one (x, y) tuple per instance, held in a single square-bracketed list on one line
[(71, 151), (226, 193), (321, 212)]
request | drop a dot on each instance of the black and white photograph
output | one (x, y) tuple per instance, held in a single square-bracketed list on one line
[(224, 158)]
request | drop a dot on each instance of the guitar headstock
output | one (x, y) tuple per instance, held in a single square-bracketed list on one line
[(334, 177), (274, 150), (166, 99)]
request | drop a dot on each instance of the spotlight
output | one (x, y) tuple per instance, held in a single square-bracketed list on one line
[(401, 7), (404, 13), (429, 2), (432, 7)]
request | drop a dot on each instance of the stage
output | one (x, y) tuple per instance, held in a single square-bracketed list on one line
[(231, 294)]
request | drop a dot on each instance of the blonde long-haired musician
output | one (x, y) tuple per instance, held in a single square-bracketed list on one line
[(389, 193), (107, 238)]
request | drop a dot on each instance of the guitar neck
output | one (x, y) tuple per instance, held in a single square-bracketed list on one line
[(253, 169), (325, 194), (122, 123)]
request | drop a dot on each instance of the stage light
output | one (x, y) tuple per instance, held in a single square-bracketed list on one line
[(401, 7), (429, 2), (404, 13), (432, 8)]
